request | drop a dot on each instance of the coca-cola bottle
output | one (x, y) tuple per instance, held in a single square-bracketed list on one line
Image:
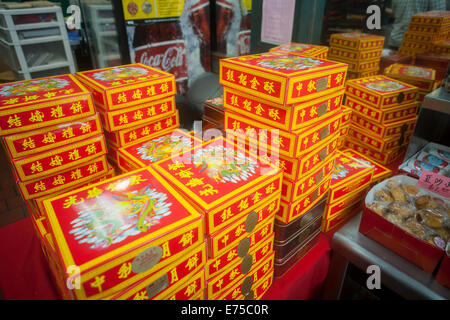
[(224, 19), (199, 19), (161, 45)]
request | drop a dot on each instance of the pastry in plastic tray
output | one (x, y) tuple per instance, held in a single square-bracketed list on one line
[(432, 157), (418, 211)]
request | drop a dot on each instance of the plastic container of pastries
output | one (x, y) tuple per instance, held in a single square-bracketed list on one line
[(411, 221)]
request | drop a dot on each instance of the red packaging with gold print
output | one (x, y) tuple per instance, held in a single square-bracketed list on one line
[(162, 283), (382, 158), (341, 54), (377, 144), (346, 115), (32, 104), (131, 135), (64, 179), (329, 224), (421, 77), (365, 66), (128, 85), (433, 18), (291, 144), (441, 46), (222, 180), (348, 176), (288, 118), (31, 142), (301, 49), (357, 41), (191, 289), (282, 78), (402, 127), (162, 146), (141, 225), (383, 116), (340, 205), (59, 159), (381, 92), (356, 75)]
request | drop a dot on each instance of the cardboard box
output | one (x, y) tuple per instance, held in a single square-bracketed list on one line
[(289, 211), (357, 41), (343, 54), (346, 115), (294, 190), (349, 176), (128, 85), (213, 109), (32, 104), (161, 146), (382, 158), (259, 220), (260, 243), (291, 144), (131, 135), (223, 181), (357, 75), (341, 205), (289, 118), (59, 159), (420, 77), (32, 142), (398, 128), (364, 66), (282, 78), (251, 282), (423, 37), (383, 116), (71, 177), (192, 289), (380, 172), (169, 279), (138, 115), (416, 47), (301, 49), (432, 18), (428, 29), (367, 139), (143, 225), (346, 214), (381, 92), (441, 46)]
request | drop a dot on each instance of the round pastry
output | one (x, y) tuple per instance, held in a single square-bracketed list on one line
[(395, 219), (391, 184), (414, 227), (383, 195), (411, 190), (398, 195), (432, 218), (376, 207), (402, 210), (423, 202)]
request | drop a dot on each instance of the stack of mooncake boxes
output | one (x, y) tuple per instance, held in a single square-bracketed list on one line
[(361, 51), (345, 125), (303, 50), (129, 237), (288, 107), (423, 78), (384, 114), (135, 102), (238, 195), (425, 31), (53, 137)]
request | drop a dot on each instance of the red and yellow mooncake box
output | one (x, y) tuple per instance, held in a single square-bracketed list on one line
[(168, 279), (357, 75), (423, 37), (31, 142), (290, 144), (338, 207), (128, 136), (357, 41), (416, 47), (121, 230), (433, 18), (165, 144), (382, 158), (294, 190), (192, 289), (301, 49), (380, 172), (381, 92), (222, 180), (402, 127), (288, 118), (235, 272), (128, 85), (383, 116), (58, 181), (346, 113), (441, 46), (428, 29), (259, 220), (364, 66), (289, 211), (282, 78), (342, 54), (349, 175), (138, 115), (32, 104), (346, 214), (381, 145), (420, 77), (59, 159)]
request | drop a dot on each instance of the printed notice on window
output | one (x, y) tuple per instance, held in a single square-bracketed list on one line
[(277, 21)]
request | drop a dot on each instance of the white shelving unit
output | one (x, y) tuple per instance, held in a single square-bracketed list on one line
[(35, 49), (102, 33)]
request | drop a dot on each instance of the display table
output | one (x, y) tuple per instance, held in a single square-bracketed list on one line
[(398, 274), (24, 274)]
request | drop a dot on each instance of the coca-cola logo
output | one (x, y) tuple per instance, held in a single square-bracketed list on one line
[(170, 59)]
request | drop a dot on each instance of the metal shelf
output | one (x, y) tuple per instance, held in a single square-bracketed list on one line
[(438, 100)]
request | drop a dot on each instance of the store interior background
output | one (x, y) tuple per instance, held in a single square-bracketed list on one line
[(314, 22)]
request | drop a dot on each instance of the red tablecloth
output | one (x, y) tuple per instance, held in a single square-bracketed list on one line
[(24, 273)]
